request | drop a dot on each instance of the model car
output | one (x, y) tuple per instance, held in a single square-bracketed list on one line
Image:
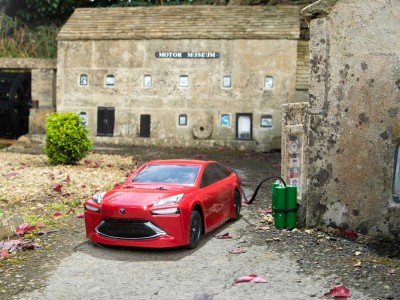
[(165, 203)]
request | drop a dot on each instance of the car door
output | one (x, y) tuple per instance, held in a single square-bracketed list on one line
[(215, 192)]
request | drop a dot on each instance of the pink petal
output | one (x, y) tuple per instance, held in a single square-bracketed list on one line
[(80, 215), (237, 250), (12, 174), (338, 291), (223, 236), (265, 211), (253, 278), (4, 254), (40, 225)]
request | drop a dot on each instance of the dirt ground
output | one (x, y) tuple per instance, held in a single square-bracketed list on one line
[(30, 188)]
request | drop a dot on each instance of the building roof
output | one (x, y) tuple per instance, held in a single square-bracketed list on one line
[(303, 63), (317, 9), (182, 22)]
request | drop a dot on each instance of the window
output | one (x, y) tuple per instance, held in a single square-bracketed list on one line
[(83, 79), (266, 121), (268, 82), (184, 81), (182, 120), (225, 120), (181, 174), (212, 173), (147, 81), (226, 81), (105, 121), (244, 127), (110, 80), (396, 175)]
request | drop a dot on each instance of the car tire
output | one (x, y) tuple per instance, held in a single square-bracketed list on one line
[(195, 229), (237, 205)]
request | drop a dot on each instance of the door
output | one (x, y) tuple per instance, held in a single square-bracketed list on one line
[(105, 121), (145, 121), (244, 128)]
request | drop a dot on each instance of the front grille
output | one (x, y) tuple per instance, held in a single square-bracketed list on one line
[(129, 229)]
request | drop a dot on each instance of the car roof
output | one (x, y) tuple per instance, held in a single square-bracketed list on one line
[(181, 161)]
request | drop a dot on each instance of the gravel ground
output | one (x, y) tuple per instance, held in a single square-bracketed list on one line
[(297, 264)]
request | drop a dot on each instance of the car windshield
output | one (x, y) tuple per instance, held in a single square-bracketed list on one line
[(180, 174)]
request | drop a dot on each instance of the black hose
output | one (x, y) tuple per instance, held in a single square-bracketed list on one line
[(253, 197)]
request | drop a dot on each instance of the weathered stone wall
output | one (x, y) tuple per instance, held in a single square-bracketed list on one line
[(204, 100), (354, 114)]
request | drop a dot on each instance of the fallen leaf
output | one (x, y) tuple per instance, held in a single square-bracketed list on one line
[(30, 246), (57, 214), (348, 232), (223, 236), (56, 187), (338, 291), (12, 174), (65, 194), (71, 210), (68, 179), (237, 250), (24, 228), (250, 278)]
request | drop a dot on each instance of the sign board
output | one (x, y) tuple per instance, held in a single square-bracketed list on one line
[(177, 54)]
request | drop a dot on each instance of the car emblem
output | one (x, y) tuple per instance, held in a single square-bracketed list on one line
[(122, 210)]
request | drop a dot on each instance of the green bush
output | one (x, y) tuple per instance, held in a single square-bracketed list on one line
[(67, 140)]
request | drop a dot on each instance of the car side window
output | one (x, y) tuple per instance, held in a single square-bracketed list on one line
[(213, 173), (222, 171)]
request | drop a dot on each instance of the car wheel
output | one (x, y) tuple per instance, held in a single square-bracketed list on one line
[(195, 229), (236, 204)]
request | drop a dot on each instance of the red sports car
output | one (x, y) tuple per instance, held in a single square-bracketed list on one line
[(165, 203)]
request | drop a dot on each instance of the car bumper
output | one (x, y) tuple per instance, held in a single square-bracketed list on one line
[(156, 232)]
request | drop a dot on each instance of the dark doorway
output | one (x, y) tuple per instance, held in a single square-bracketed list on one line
[(15, 102), (105, 121), (145, 122)]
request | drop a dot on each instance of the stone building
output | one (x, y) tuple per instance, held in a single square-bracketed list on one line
[(180, 76), (343, 146)]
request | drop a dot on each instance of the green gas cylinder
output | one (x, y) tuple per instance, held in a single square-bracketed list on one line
[(273, 197), (280, 203), (291, 205)]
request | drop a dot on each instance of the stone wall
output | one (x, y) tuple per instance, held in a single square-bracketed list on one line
[(353, 115)]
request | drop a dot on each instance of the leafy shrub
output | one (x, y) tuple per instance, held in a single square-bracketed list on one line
[(67, 139)]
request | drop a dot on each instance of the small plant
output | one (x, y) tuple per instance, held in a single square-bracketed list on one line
[(67, 139)]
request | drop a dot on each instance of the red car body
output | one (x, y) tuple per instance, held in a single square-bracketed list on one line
[(159, 210)]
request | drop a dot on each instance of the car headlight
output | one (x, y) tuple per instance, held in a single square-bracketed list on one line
[(98, 197), (166, 211), (91, 208), (169, 200)]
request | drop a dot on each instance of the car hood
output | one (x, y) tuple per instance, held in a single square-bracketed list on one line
[(141, 195)]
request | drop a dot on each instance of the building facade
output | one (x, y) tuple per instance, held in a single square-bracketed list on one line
[(180, 76)]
